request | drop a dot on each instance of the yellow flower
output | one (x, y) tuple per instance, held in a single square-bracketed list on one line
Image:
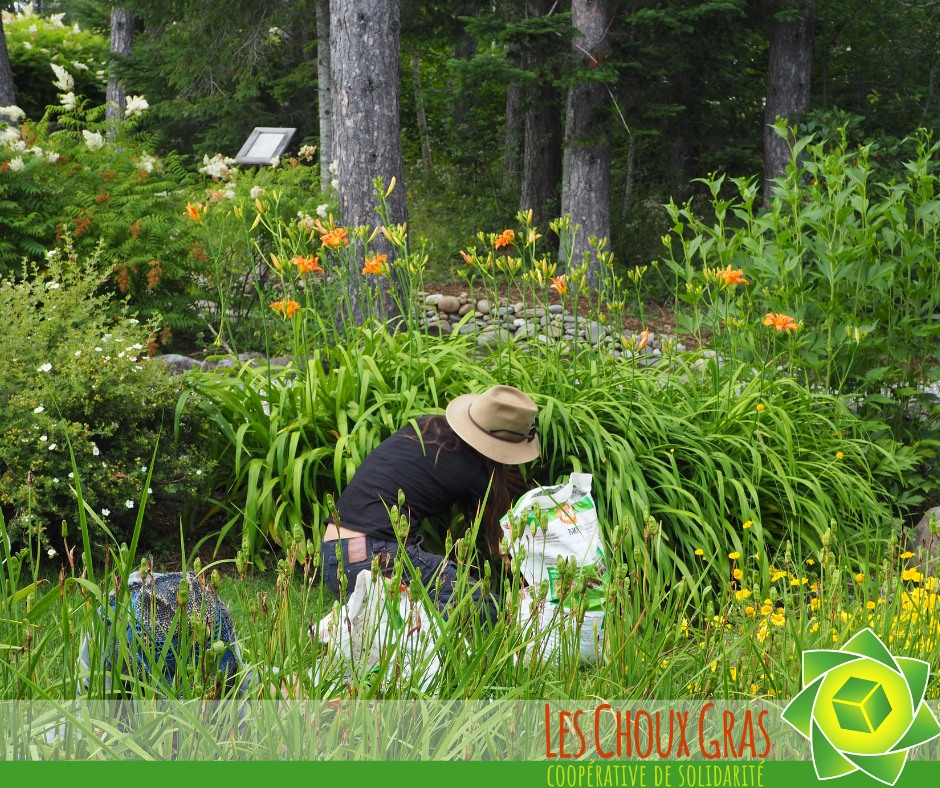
[(778, 620), (713, 666), (907, 554), (814, 628), (748, 524), (749, 610), (810, 561), (734, 556), (744, 593), (765, 609), (859, 578), (814, 603), (870, 604), (839, 455), (760, 406), (738, 574), (845, 616), (734, 673), (753, 689), (912, 574), (700, 551)]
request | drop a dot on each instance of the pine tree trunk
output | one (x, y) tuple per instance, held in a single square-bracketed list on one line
[(419, 108), (631, 178), (788, 86), (465, 50), (122, 36), (364, 49), (589, 172), (512, 141), (7, 93), (324, 92), (541, 161), (541, 166), (566, 161)]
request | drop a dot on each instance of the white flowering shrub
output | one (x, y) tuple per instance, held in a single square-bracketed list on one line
[(99, 182), (75, 369), (35, 43)]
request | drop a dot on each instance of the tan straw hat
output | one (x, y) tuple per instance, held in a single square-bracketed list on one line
[(499, 423)]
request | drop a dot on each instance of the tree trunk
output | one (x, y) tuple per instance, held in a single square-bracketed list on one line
[(589, 174), (512, 144), (364, 48), (324, 92), (541, 163), (566, 160), (465, 50), (122, 36), (788, 86), (7, 94), (541, 168), (419, 108), (631, 178)]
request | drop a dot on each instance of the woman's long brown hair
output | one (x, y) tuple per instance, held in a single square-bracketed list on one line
[(437, 432)]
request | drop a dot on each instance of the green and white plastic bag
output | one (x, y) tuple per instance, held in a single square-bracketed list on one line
[(571, 533)]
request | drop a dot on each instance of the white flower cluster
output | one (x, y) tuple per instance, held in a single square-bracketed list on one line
[(9, 137), (93, 139), (79, 65), (322, 209), (307, 151), (64, 81), (136, 106), (69, 101), (219, 167), (256, 192), (146, 162), (16, 164), (334, 170), (13, 112), (306, 222), (56, 20)]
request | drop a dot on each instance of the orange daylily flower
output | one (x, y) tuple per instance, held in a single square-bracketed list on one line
[(732, 277), (194, 212), (781, 322), (644, 338), (335, 238), (285, 307), (505, 239), (466, 258), (375, 265), (559, 285), (307, 265)]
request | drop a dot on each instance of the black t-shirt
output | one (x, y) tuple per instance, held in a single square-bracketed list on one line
[(432, 481)]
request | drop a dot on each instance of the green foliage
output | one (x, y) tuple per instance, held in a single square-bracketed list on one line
[(34, 42), (74, 371), (853, 259), (245, 264), (215, 69), (704, 447), (77, 179), (740, 642)]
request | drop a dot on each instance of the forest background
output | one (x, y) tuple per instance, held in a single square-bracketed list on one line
[(677, 89)]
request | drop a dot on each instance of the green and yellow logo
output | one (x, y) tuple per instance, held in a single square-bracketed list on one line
[(862, 709)]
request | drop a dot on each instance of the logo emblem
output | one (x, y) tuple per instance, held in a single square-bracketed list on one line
[(862, 709)]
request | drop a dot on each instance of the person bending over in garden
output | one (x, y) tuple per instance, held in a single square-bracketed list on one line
[(465, 458)]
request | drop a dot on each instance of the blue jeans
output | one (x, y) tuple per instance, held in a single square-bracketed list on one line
[(429, 566)]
